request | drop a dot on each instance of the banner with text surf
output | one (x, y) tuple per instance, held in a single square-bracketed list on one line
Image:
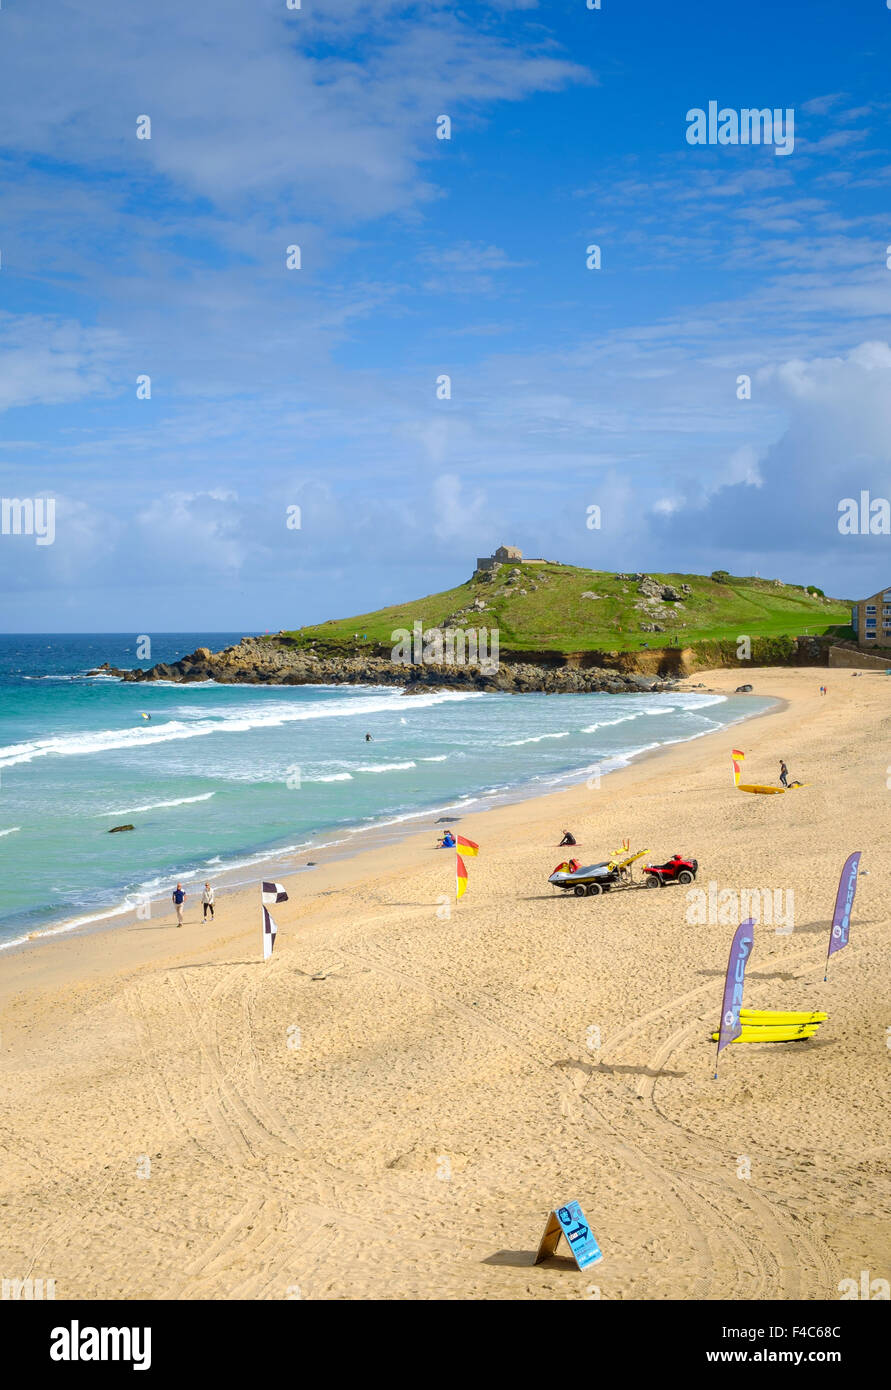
[(740, 950), (844, 903)]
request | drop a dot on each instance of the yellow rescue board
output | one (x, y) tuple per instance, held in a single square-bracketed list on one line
[(618, 862), (788, 1033), (738, 757), (779, 1016)]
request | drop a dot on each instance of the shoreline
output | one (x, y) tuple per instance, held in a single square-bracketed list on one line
[(384, 834), (389, 1106)]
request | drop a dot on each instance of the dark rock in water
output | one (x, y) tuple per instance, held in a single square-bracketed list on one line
[(115, 828), (310, 863), (444, 820), (743, 689)]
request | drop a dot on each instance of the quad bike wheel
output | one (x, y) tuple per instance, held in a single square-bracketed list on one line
[(653, 881), (686, 876)]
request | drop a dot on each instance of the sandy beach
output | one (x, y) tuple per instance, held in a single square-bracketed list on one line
[(390, 1107)]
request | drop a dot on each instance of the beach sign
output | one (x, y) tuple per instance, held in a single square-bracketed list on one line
[(844, 902), (740, 949), (570, 1222)]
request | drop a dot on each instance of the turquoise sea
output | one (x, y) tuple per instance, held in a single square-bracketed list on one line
[(224, 779)]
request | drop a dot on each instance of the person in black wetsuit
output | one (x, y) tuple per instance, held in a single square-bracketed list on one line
[(568, 839)]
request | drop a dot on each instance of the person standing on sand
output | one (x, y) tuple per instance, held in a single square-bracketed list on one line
[(784, 774), (207, 900), (179, 897)]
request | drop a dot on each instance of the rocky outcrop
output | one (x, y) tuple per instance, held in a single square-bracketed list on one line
[(261, 661), (282, 661)]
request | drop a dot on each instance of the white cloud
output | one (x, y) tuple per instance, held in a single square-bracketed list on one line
[(244, 103), (48, 361)]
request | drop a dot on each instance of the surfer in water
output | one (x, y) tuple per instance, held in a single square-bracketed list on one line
[(368, 738)]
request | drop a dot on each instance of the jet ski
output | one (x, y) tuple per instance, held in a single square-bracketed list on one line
[(587, 881)]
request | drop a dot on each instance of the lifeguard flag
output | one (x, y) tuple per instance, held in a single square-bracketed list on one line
[(460, 877), (740, 950), (737, 755), (468, 846)]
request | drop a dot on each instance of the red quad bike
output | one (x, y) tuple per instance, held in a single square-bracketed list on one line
[(677, 870)]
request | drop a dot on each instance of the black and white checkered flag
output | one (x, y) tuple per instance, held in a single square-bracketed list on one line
[(269, 930), (270, 893)]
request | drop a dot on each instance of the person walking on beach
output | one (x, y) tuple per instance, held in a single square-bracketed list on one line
[(207, 900), (179, 897), (784, 774)]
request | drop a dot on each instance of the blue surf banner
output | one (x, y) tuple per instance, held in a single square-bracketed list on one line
[(844, 902), (740, 951)]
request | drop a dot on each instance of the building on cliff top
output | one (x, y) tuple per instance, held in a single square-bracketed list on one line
[(504, 555)]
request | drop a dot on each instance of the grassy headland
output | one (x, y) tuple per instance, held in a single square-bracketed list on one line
[(554, 607)]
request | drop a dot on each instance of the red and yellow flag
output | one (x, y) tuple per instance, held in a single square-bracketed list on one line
[(469, 846), (460, 878)]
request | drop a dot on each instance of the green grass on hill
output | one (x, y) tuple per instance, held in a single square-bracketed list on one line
[(544, 609)]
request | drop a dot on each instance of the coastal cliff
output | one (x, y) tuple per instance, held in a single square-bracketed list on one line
[(273, 661)]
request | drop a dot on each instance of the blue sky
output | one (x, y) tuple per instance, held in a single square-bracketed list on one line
[(317, 388)]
